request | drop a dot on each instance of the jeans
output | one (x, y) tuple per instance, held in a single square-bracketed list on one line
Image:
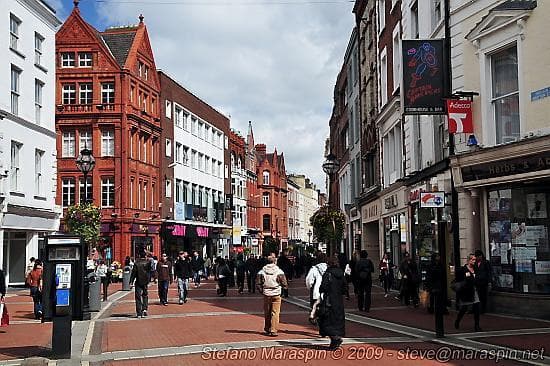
[(142, 299), (197, 278), (37, 300), (182, 288), (272, 309), (163, 291)]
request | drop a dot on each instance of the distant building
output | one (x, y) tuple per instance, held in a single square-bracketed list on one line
[(307, 204), (27, 134), (238, 191)]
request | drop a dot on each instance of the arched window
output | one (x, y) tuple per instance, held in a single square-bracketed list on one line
[(239, 163), (267, 223), (266, 177), (232, 160), (265, 199)]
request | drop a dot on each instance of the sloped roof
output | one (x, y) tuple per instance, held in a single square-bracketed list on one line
[(517, 5), (120, 43)]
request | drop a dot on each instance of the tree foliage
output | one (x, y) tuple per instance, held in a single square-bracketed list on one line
[(85, 220), (328, 226), (270, 245)]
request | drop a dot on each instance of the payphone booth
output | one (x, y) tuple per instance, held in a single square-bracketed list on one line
[(63, 276)]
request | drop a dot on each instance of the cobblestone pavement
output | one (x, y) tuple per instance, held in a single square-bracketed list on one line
[(209, 330)]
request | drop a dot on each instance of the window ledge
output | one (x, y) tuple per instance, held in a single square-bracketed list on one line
[(40, 198), (18, 53), (41, 67), (17, 194)]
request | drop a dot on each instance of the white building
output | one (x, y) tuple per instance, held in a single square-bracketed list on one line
[(306, 203), (239, 194), (27, 133)]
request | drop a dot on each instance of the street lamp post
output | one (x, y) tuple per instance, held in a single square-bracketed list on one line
[(330, 167), (309, 233), (85, 162)]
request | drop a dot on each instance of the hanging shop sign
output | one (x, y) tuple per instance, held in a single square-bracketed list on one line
[(460, 116), (432, 199), (423, 72)]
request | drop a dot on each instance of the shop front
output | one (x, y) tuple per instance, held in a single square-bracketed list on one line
[(370, 218), (187, 237), (355, 232), (394, 224), (513, 197)]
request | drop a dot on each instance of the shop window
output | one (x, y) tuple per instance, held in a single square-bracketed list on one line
[(519, 249)]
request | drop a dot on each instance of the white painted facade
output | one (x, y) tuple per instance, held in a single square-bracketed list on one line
[(239, 192), (27, 133), (307, 204)]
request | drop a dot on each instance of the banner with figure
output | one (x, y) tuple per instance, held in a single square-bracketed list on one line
[(423, 73)]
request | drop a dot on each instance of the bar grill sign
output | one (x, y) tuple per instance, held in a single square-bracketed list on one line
[(423, 71), (432, 199)]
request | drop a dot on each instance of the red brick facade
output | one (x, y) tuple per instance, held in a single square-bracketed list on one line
[(121, 115)]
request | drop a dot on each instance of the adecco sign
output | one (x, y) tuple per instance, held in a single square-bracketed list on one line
[(460, 116), (432, 199)]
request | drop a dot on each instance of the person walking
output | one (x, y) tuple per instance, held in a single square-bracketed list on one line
[(331, 308), (34, 280), (313, 282), (409, 281), (250, 269), (364, 270), (182, 273), (140, 273), (223, 273), (104, 274), (164, 278), (2, 286), (207, 267), (386, 273), (271, 280), (466, 292), (240, 273), (197, 264), (286, 266), (483, 279)]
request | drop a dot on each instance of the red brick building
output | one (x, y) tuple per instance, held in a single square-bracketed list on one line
[(253, 221), (107, 98)]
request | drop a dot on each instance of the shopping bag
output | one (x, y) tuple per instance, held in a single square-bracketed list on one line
[(5, 321)]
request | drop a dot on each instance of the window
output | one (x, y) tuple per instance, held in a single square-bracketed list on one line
[(186, 121), (14, 31), (15, 167), (145, 145), (145, 195), (108, 93), (68, 192), (168, 147), (220, 169), (85, 139), (266, 223), (15, 89), (266, 177), (146, 73), (132, 93), (38, 92), (145, 101), (193, 159), (201, 162), (168, 191), (67, 59), (185, 155), (396, 59), (345, 138), (178, 116), (132, 190), (383, 79), (505, 95), (38, 184), (69, 94), (178, 152), (381, 10), (194, 126), (214, 163), (370, 170), (179, 190), (168, 109), (436, 13), (201, 129), (68, 144), (265, 199), (233, 186), (107, 143), (415, 33), (206, 164), (140, 68), (85, 59), (85, 95), (85, 190), (38, 42), (392, 157), (108, 192)]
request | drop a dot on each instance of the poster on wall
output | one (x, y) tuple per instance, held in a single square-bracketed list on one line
[(524, 266), (519, 233), (524, 253), (536, 234), (542, 267), (506, 281), (536, 206), (500, 230), (423, 71), (502, 251)]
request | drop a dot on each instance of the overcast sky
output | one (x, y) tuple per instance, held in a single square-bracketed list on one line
[(273, 62)]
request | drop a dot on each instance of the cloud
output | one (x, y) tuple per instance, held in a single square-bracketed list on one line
[(273, 64)]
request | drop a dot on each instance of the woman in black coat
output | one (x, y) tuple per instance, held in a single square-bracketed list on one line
[(331, 309), (467, 292)]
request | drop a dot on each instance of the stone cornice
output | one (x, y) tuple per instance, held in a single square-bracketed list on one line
[(27, 124)]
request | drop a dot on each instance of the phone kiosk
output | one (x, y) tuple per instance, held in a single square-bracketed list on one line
[(63, 276)]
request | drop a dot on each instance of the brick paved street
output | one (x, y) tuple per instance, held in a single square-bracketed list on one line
[(209, 330)]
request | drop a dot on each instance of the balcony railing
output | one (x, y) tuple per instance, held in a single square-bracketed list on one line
[(87, 108)]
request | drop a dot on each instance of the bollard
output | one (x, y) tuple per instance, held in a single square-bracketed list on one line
[(126, 279), (94, 294)]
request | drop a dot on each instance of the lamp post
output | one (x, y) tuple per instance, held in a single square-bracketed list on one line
[(330, 167), (85, 162)]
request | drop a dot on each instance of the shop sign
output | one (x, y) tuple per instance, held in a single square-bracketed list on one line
[(178, 230), (502, 168), (391, 202), (414, 195), (432, 199), (459, 113), (202, 232)]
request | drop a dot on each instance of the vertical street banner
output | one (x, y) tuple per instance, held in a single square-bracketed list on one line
[(423, 75), (460, 116)]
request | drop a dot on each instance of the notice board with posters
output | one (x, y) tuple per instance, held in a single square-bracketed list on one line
[(423, 75)]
